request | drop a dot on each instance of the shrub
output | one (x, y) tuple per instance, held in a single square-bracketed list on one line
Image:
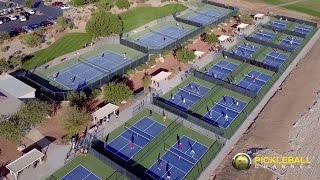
[(4, 35), (123, 4), (5, 48), (166, 53), (96, 93), (77, 98), (74, 120), (130, 71), (185, 55), (32, 39), (116, 92), (103, 24)]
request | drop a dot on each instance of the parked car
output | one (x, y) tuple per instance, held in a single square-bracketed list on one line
[(22, 18), (24, 14), (30, 11), (5, 19), (27, 28), (46, 23), (34, 26), (20, 30), (1, 22), (53, 20), (57, 4), (65, 7), (10, 4), (13, 33), (12, 17)]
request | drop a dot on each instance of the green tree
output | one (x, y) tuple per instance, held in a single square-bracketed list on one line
[(32, 39), (28, 3), (146, 81), (185, 55), (74, 120), (77, 98), (11, 129), (78, 2), (104, 5), (123, 4), (246, 18), (4, 65), (63, 22), (103, 24), (4, 35), (33, 112), (211, 38), (116, 92)]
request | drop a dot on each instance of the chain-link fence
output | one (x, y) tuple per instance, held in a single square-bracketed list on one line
[(299, 21), (249, 60), (270, 44), (224, 84), (46, 87)]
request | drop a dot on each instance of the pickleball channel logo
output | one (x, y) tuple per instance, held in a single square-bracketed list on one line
[(241, 161)]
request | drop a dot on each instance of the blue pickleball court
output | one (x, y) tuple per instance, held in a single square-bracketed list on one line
[(188, 96), (177, 161), (142, 132), (80, 173)]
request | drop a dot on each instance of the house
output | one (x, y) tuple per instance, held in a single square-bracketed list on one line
[(12, 93)]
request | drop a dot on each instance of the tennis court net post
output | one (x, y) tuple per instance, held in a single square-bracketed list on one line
[(129, 128), (92, 65), (157, 32)]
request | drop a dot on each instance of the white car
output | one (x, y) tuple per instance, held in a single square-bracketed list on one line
[(1, 22), (12, 17), (27, 28), (65, 6), (53, 20), (22, 18), (30, 11)]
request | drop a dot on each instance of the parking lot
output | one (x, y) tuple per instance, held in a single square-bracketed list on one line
[(46, 12)]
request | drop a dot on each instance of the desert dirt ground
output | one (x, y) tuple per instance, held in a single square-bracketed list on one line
[(271, 129)]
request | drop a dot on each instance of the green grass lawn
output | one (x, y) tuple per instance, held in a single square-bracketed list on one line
[(116, 48), (139, 16), (132, 19), (311, 7), (66, 44), (90, 162)]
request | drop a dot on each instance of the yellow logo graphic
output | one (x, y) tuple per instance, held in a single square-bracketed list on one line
[(241, 161)]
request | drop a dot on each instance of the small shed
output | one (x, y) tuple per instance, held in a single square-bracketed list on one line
[(223, 38), (163, 75), (258, 16), (242, 27), (104, 112), (23, 162)]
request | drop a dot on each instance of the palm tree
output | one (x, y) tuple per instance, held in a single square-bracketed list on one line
[(146, 81)]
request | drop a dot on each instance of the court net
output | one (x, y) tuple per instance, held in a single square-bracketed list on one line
[(180, 155), (157, 32), (205, 14), (190, 93), (275, 57), (92, 65), (256, 78), (138, 132), (227, 107)]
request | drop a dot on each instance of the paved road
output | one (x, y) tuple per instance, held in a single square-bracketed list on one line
[(47, 11)]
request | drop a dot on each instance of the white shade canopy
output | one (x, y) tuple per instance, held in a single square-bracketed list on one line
[(223, 38)]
